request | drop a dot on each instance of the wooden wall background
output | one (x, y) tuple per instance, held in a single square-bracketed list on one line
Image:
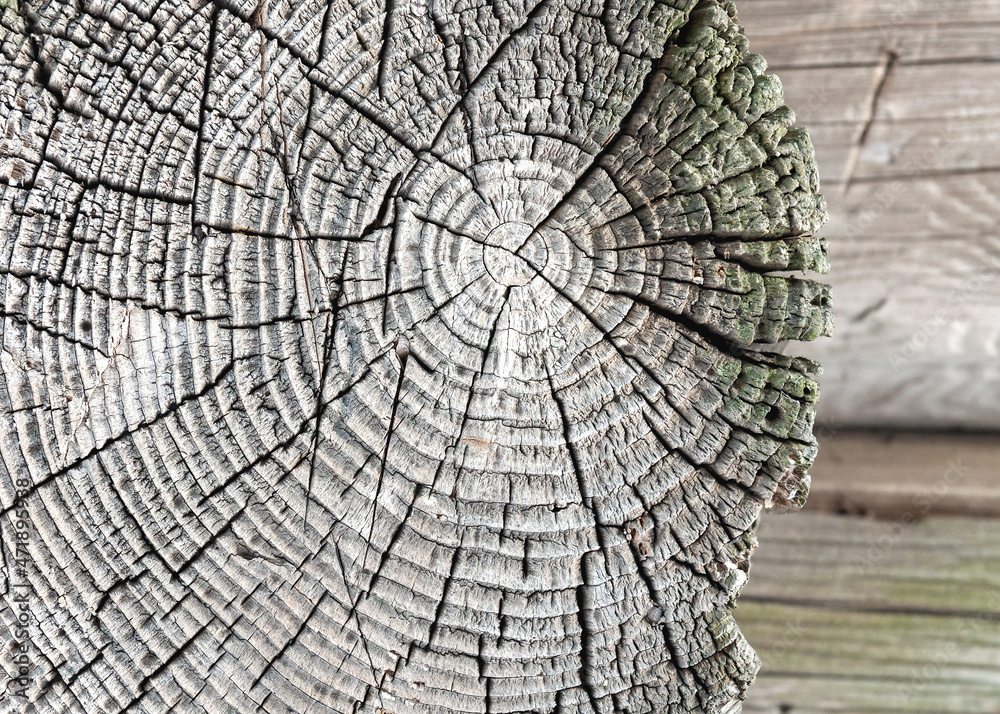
[(895, 606), (902, 100)]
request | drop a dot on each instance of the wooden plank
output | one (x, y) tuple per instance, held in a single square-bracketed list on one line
[(852, 664), (897, 357), (913, 91), (842, 33), (906, 476), (861, 389), (764, 17), (853, 614), (853, 42), (897, 148), (910, 166)]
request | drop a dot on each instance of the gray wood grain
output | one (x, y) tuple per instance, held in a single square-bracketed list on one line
[(864, 615), (912, 179), (403, 357)]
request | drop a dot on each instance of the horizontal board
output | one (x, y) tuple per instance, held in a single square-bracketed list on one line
[(863, 391), (853, 614), (943, 305), (790, 16), (905, 149), (849, 42), (905, 476), (911, 92), (915, 341)]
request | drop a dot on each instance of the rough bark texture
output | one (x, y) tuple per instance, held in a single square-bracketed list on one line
[(364, 357)]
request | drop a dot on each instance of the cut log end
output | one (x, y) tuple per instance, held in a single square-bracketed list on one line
[(395, 357)]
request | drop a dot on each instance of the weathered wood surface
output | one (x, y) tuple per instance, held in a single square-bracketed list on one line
[(364, 357), (864, 616), (914, 233)]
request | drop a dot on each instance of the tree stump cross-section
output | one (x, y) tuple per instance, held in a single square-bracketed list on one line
[(403, 357)]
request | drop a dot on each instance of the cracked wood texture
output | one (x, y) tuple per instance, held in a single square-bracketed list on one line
[(402, 357)]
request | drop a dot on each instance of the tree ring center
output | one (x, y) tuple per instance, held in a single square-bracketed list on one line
[(514, 254)]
